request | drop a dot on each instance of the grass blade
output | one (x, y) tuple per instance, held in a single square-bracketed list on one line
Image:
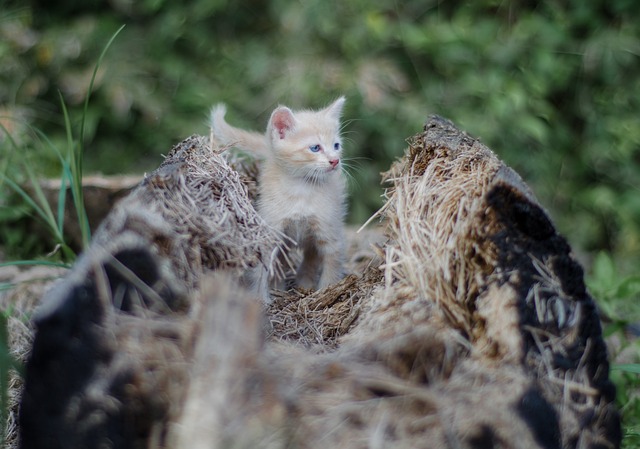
[(14, 145), (44, 205), (46, 263), (67, 127), (50, 144), (62, 197), (25, 196), (93, 78), (76, 168)]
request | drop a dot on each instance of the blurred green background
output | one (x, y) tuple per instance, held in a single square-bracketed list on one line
[(552, 87)]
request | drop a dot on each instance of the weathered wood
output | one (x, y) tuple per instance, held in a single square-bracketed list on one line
[(469, 327), (114, 338)]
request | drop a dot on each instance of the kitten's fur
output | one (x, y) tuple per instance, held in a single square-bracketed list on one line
[(302, 189)]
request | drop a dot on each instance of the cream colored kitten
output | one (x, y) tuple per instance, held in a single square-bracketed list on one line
[(302, 188)]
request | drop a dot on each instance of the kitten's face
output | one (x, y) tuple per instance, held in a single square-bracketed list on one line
[(307, 143)]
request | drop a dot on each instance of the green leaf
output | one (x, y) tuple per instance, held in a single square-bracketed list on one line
[(604, 279), (628, 288), (629, 367)]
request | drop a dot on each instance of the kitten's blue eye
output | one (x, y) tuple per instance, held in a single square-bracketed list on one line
[(336, 146), (314, 148)]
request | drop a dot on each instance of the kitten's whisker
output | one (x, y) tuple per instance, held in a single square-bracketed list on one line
[(352, 180), (352, 164), (348, 122), (346, 133), (347, 141), (354, 158), (351, 169)]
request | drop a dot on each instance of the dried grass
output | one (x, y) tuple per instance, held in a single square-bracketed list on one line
[(438, 191), (19, 303), (463, 326)]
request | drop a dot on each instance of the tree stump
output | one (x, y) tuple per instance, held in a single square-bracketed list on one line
[(469, 327)]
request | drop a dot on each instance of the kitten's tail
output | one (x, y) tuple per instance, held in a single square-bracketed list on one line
[(224, 134)]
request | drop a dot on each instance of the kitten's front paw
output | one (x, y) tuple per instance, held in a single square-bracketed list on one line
[(306, 282), (331, 278)]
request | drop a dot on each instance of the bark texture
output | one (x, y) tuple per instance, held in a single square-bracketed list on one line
[(465, 323)]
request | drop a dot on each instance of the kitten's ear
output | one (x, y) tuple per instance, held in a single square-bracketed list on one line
[(282, 121), (335, 109)]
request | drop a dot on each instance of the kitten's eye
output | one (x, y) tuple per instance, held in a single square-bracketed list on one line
[(336, 146), (314, 148)]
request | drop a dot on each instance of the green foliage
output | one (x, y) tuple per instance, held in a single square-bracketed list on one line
[(619, 302), (71, 163), (35, 201), (619, 295), (628, 384), (550, 86)]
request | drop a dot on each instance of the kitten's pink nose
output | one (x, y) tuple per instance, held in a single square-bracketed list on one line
[(334, 162)]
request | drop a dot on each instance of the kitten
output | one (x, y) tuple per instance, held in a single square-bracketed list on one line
[(302, 188)]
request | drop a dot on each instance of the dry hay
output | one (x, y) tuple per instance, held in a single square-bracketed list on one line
[(121, 321), (467, 326), (17, 305)]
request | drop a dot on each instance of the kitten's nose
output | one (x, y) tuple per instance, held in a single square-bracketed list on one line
[(334, 162)]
